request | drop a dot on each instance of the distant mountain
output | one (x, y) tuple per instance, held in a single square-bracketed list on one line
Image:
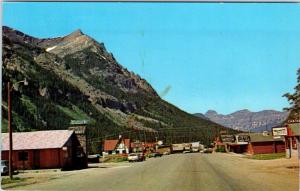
[(246, 120), (202, 116), (74, 78)]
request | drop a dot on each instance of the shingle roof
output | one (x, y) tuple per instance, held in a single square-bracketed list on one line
[(110, 145), (37, 139), (127, 143)]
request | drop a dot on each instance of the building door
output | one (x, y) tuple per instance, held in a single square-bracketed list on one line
[(36, 159)]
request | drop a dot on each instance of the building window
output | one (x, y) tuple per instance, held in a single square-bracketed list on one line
[(23, 156)]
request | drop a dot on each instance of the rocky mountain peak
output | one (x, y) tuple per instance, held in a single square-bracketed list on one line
[(72, 43), (16, 36), (76, 33), (243, 111), (211, 112), (245, 119)]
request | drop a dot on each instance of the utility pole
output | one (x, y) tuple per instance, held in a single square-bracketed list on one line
[(145, 137), (10, 167), (10, 130), (190, 134), (171, 136)]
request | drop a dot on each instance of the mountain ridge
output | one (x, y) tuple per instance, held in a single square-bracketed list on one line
[(246, 120)]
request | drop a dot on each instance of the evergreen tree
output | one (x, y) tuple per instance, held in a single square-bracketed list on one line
[(294, 100)]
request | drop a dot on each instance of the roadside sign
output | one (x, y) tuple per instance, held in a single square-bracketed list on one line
[(294, 121), (243, 138), (79, 122), (279, 131), (228, 138)]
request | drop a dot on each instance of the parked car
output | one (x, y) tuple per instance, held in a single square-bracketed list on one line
[(134, 157), (93, 158), (4, 167)]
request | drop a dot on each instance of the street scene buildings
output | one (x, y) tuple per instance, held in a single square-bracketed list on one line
[(280, 140)]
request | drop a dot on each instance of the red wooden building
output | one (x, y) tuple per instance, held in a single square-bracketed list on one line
[(119, 146), (233, 143), (264, 143), (125, 146), (138, 146), (252, 143), (44, 149)]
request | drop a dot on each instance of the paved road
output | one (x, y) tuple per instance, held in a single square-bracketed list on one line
[(182, 172)]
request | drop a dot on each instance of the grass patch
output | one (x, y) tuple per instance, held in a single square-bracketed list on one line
[(116, 158), (75, 113), (221, 150), (120, 159), (31, 107), (267, 156), (14, 180)]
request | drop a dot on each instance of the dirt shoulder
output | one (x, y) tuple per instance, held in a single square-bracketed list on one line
[(281, 165), (28, 177), (275, 174)]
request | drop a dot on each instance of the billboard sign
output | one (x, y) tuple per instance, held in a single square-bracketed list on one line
[(279, 131), (244, 139), (228, 138), (79, 122)]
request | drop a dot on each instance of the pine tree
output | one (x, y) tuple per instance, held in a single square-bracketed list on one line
[(294, 100)]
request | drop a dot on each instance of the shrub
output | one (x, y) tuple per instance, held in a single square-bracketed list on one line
[(221, 149)]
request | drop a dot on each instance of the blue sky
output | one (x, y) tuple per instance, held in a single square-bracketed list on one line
[(217, 56)]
